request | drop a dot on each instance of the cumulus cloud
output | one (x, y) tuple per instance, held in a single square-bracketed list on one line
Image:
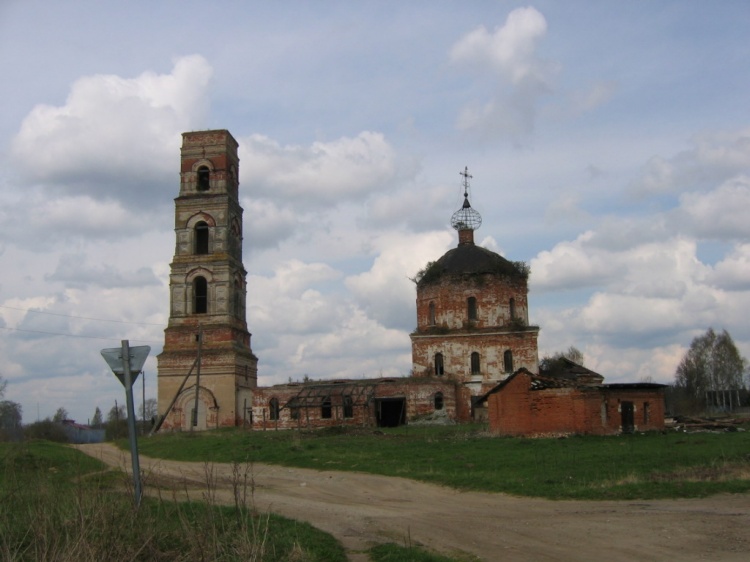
[(520, 76), (322, 174), (74, 271), (714, 158), (719, 214), (419, 208), (114, 138), (386, 292), (733, 272)]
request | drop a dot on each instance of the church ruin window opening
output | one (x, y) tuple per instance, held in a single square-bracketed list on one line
[(438, 400), (348, 406), (646, 412), (204, 175), (201, 238), (472, 306), (475, 370), (439, 367), (508, 361), (432, 314), (326, 410), (200, 295), (512, 305), (273, 409)]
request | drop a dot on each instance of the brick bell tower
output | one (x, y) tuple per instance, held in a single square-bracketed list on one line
[(207, 350)]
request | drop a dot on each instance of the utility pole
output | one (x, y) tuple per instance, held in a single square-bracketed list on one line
[(197, 380)]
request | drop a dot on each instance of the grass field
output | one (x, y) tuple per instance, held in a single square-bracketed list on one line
[(58, 504), (640, 466)]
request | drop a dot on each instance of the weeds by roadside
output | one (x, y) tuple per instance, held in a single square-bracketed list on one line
[(58, 504)]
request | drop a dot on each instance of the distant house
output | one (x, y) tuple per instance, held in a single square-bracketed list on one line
[(79, 434), (529, 404)]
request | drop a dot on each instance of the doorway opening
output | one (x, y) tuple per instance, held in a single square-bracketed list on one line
[(390, 412), (627, 417)]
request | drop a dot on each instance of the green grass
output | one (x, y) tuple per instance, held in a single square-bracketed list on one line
[(640, 466), (59, 504)]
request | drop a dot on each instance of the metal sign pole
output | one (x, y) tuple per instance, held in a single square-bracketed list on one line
[(131, 422), (124, 367)]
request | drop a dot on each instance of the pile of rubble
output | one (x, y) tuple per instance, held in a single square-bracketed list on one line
[(690, 424)]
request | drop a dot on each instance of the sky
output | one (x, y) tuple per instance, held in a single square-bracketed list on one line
[(609, 144)]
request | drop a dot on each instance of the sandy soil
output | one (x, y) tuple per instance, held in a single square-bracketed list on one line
[(361, 510)]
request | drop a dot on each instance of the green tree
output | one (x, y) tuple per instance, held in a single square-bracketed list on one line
[(150, 408), (97, 421), (712, 363), (61, 415), (553, 362), (117, 414), (10, 415)]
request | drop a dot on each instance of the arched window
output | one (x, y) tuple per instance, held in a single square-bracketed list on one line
[(200, 295), (432, 314), (512, 304), (201, 238), (439, 369), (438, 400), (348, 406), (475, 370), (273, 409), (204, 175), (472, 306), (325, 409), (508, 361)]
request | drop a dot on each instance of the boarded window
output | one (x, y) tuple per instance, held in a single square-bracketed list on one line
[(646, 413), (204, 175), (472, 306), (432, 314), (201, 238), (475, 370), (200, 295), (273, 409), (438, 400), (325, 409), (439, 369), (508, 361)]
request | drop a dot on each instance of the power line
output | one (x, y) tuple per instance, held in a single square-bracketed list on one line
[(80, 317), (73, 335)]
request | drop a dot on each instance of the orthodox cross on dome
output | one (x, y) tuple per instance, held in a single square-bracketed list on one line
[(466, 218)]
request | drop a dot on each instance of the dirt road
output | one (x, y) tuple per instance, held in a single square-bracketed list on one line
[(361, 510)]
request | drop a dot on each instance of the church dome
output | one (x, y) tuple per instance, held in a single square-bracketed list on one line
[(468, 259)]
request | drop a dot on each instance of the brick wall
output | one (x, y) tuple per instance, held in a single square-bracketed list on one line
[(516, 409)]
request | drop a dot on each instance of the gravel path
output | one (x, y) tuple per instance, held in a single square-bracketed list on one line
[(362, 509)]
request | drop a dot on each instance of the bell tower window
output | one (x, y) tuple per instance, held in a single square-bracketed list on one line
[(512, 304), (200, 295), (201, 238), (432, 313), (204, 176), (439, 369)]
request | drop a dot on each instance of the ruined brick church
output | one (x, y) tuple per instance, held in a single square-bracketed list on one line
[(472, 339)]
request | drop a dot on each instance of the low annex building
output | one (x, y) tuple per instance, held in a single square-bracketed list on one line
[(381, 402), (529, 404)]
